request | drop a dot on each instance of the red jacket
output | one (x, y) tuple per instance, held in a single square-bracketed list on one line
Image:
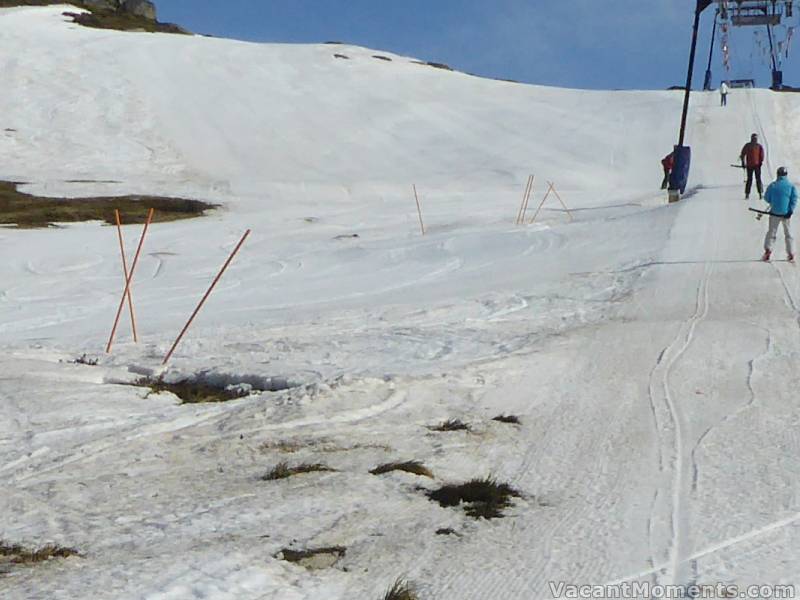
[(668, 162), (753, 154)]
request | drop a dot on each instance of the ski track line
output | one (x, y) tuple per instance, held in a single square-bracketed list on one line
[(676, 416), (714, 548), (395, 400), (734, 414), (789, 297), (729, 417), (658, 430), (105, 443)]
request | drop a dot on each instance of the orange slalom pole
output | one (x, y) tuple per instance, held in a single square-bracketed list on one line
[(541, 204), (523, 207), (125, 272), (569, 212), (528, 199), (128, 280), (419, 210), (205, 297)]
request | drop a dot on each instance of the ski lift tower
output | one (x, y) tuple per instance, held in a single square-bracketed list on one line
[(738, 13), (759, 13)]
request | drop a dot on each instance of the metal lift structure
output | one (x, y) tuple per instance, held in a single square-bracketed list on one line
[(729, 14)]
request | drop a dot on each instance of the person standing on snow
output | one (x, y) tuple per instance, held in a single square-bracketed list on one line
[(723, 92), (782, 200), (752, 158), (667, 163)]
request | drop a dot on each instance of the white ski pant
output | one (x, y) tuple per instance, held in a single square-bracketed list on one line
[(772, 233)]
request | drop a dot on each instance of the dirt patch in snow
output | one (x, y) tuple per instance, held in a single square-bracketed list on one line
[(313, 558), (14, 554), (28, 211)]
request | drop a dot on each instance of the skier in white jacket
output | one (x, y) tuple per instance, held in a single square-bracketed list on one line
[(723, 93)]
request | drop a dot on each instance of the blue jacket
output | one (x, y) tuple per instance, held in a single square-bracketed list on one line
[(781, 196)]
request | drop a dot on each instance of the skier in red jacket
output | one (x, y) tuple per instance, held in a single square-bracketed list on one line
[(752, 158), (667, 162)]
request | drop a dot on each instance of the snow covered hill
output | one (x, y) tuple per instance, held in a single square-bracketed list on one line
[(649, 357)]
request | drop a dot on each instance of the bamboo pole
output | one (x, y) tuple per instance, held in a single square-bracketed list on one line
[(569, 213), (128, 280), (541, 204), (525, 196), (419, 210), (205, 297), (527, 199), (125, 272)]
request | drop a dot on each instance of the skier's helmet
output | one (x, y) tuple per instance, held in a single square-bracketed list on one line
[(782, 172)]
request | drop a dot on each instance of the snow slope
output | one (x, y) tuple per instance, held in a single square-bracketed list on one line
[(648, 355)]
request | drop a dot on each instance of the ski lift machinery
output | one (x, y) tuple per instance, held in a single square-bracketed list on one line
[(770, 14)]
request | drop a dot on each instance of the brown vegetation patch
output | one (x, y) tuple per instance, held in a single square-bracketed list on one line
[(450, 425), (283, 471), (414, 467), (313, 558), (483, 497), (510, 419), (29, 211), (15, 554), (401, 590), (193, 392)]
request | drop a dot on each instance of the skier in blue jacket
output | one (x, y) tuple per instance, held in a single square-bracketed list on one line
[(782, 199)]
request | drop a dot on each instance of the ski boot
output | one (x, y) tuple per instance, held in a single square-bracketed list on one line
[(767, 255), (790, 258)]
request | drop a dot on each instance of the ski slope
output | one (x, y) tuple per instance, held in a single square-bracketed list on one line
[(649, 355)]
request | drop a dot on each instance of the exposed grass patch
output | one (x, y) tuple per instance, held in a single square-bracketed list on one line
[(29, 211), (14, 554), (446, 531), (283, 471), (381, 57), (326, 445), (510, 419), (342, 56), (437, 65), (450, 425), (83, 359), (483, 497), (192, 392), (401, 590), (122, 21), (313, 558), (414, 467)]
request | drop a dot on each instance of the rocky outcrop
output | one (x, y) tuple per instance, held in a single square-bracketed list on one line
[(102, 4), (139, 8)]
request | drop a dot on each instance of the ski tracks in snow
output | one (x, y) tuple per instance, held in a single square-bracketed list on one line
[(662, 397)]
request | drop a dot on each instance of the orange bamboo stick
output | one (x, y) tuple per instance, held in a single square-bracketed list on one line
[(569, 213), (522, 202), (125, 272), (419, 210), (205, 297), (128, 280), (541, 204), (523, 209)]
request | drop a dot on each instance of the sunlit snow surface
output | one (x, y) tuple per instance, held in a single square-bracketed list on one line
[(651, 359)]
